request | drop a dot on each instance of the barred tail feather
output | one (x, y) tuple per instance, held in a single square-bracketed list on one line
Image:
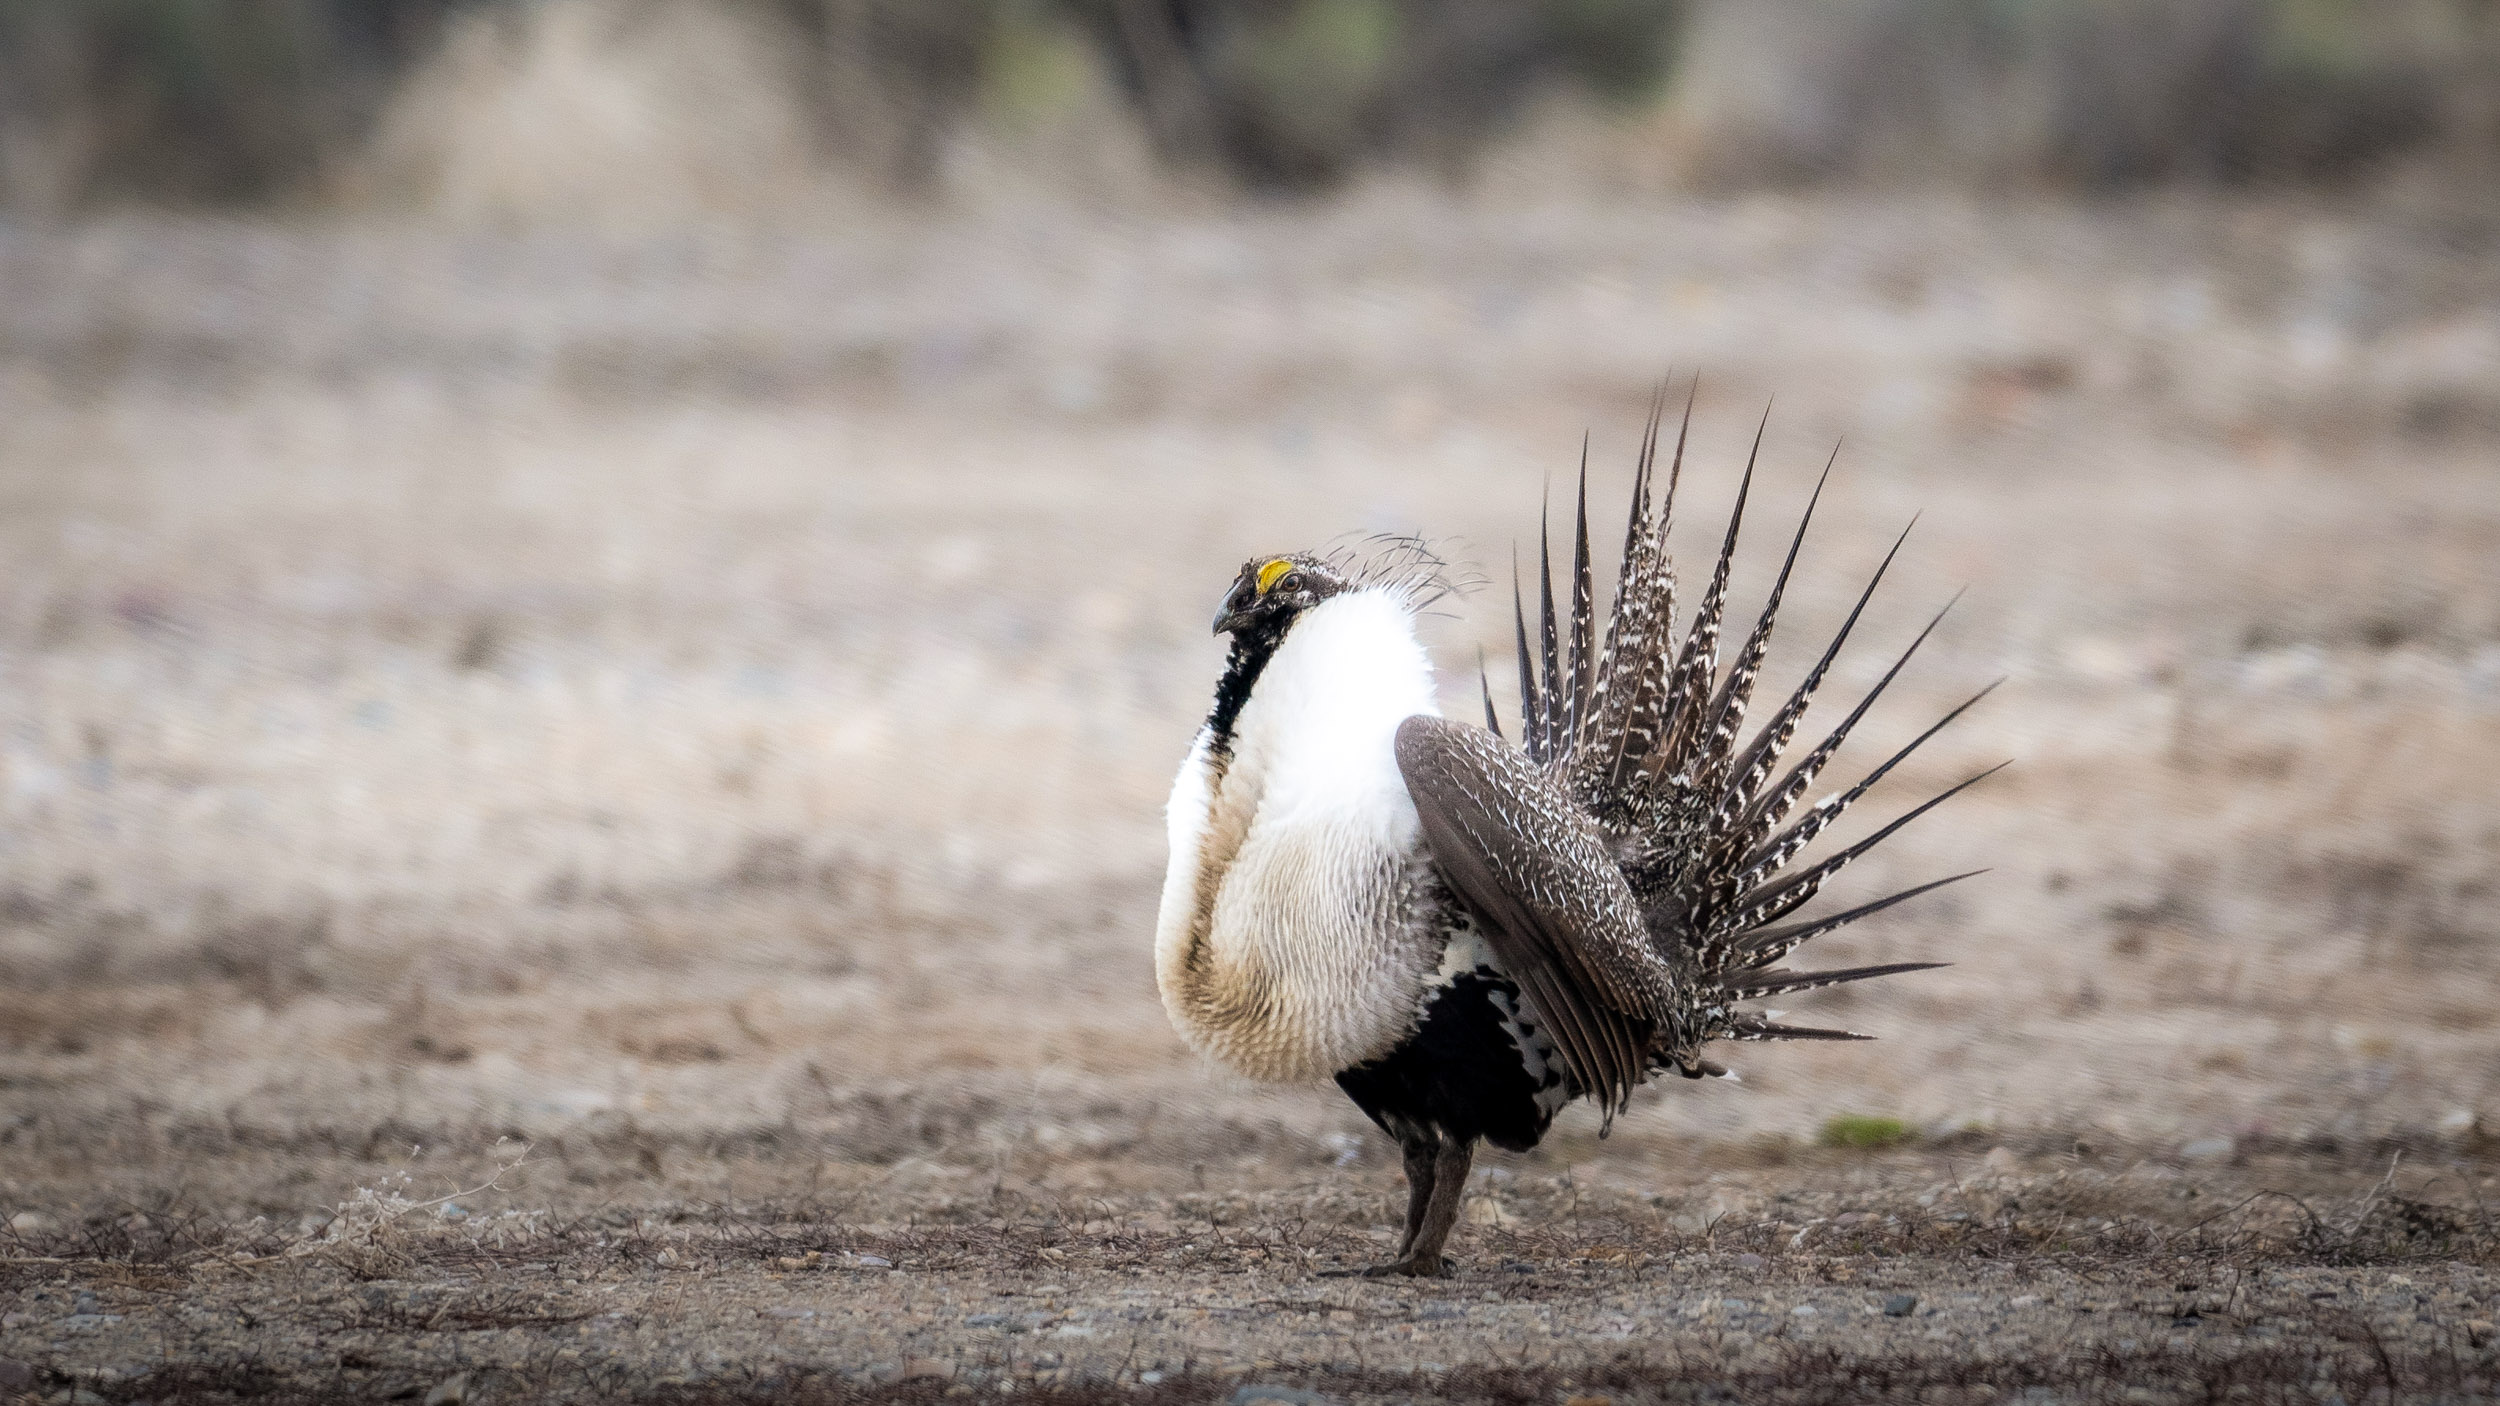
[(1777, 851), (1484, 681), (1531, 704), (1765, 1030), (1727, 710), (1555, 746), (1623, 615), (1777, 900), (1641, 613), (1698, 664), (1764, 946), (1781, 983), (1763, 755), (1583, 618), (1645, 729), (1643, 721)]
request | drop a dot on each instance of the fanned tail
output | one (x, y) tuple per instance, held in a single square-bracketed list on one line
[(1647, 730)]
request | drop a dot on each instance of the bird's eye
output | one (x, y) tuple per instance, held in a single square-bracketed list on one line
[(1291, 582)]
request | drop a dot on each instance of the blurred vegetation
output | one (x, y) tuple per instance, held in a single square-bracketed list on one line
[(1278, 94), (2103, 94), (1866, 1132), (193, 100), (248, 100), (1291, 94)]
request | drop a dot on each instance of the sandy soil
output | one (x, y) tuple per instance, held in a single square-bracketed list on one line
[(697, 705), (2070, 1277)]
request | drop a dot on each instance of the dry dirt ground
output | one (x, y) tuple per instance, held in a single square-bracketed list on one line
[(578, 814)]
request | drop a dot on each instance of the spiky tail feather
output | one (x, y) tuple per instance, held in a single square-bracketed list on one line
[(1644, 730)]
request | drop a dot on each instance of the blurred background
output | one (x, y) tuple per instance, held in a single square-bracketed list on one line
[(634, 572)]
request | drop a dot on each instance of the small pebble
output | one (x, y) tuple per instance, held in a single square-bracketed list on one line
[(1900, 1305)]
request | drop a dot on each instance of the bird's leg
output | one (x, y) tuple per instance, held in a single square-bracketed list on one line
[(1449, 1187), (1420, 1156), (1436, 1176), (1424, 1149)]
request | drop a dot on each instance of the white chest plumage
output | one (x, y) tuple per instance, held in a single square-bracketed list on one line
[(1296, 932)]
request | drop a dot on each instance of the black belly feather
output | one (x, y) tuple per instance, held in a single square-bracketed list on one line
[(1463, 1073)]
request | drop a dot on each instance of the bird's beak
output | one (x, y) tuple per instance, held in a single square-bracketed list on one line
[(1235, 611)]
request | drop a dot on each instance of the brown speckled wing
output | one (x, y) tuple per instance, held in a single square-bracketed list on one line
[(1532, 867)]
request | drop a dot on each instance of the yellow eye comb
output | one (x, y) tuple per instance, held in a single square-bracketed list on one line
[(1272, 572)]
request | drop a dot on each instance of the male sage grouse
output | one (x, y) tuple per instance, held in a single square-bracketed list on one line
[(1467, 932)]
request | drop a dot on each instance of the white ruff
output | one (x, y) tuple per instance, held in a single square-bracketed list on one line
[(1290, 943)]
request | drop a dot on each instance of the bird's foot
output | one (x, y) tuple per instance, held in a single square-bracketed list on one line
[(1411, 1267)]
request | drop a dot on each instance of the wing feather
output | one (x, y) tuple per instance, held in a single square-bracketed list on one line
[(1556, 911)]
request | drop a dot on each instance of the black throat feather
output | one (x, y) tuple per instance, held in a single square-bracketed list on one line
[(1253, 646)]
